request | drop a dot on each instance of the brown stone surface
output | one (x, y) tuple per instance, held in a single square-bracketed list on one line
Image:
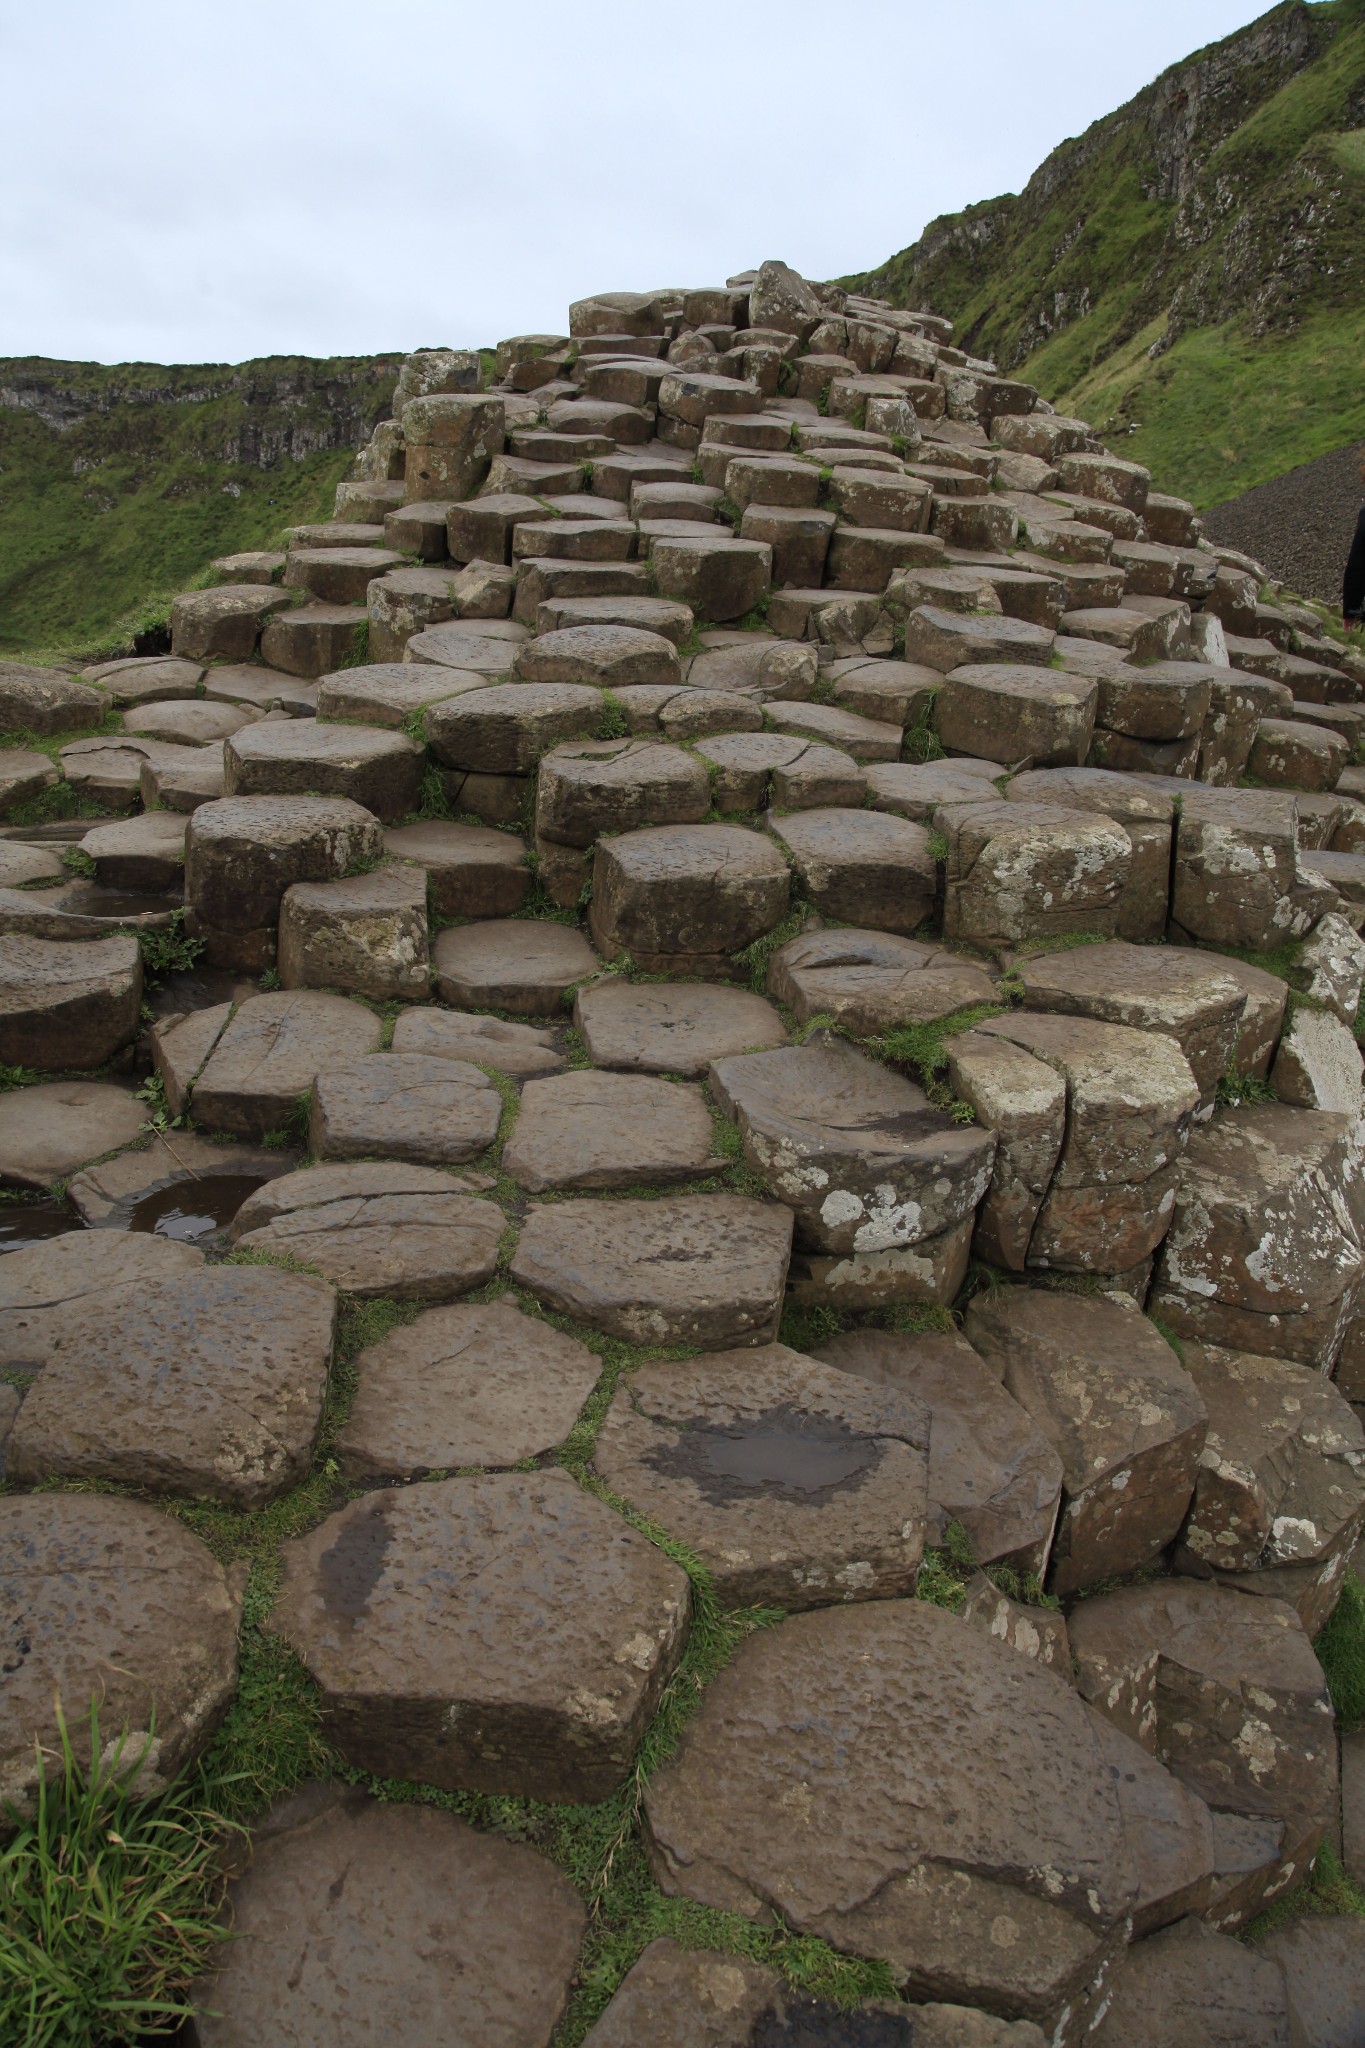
[(504, 730), (1145, 810), (1263, 1252), (606, 655), (1023, 1101), (518, 1050), (242, 853), (45, 1284), (590, 1130), (207, 1383), (1121, 1412), (990, 1468), (1237, 875), (351, 1911), (49, 1131), (1008, 713), (511, 964), (595, 786), (223, 624), (378, 1227), (376, 768), (406, 1106), (1224, 1688), (67, 1005), (1282, 1477), (1318, 1063), (834, 1774), (862, 867), (681, 1269), (366, 934), (870, 982), (915, 789), (506, 1634), (796, 1484), (112, 1600), (146, 853), (1188, 1985), (671, 1030), (1324, 1964), (479, 1384), (471, 870), (384, 693), (858, 1153), (270, 1054), (702, 892)]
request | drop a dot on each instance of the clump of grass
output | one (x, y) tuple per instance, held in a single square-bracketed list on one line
[(169, 949), (1235, 1087), (923, 1048), (79, 861), (755, 958), (921, 743), (1341, 1652), (110, 1904), (18, 1077)]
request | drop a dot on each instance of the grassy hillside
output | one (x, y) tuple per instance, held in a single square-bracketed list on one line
[(118, 483), (1190, 272)]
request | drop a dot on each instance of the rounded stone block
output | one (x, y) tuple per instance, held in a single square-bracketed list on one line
[(511, 964), (377, 769), (862, 867), (366, 934), (592, 787), (435, 1112), (1008, 713), (686, 891), (378, 1227), (67, 1005), (242, 853), (471, 870), (671, 1030)]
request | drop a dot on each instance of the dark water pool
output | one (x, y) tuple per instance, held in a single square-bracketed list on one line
[(191, 1210), (24, 1223)]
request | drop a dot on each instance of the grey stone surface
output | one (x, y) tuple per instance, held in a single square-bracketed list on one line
[(406, 1106), (591, 1130), (270, 1054), (65, 1005), (379, 1227), (1186, 1985), (518, 1050), (1324, 1965), (871, 981), (49, 1131), (45, 1285), (506, 964), (506, 1634), (672, 1030)]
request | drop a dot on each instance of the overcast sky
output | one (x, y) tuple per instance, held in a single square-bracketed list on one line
[(186, 183)]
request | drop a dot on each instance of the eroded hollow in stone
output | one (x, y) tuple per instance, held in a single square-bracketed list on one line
[(815, 2023), (25, 1223), (783, 1452), (190, 1210)]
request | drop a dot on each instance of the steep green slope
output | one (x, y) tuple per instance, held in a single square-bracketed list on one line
[(120, 482), (1190, 272)]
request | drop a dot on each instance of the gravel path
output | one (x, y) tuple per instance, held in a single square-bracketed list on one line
[(1300, 525)]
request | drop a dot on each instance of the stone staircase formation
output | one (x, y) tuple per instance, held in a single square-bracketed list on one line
[(781, 694)]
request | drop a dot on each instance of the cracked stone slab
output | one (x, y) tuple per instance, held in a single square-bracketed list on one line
[(207, 1383), (675, 1029), (1224, 1688), (872, 981), (351, 1911), (1023, 1100), (478, 1384), (373, 767), (271, 1053), (1187, 1984), (682, 1269), (859, 1154), (676, 894), (110, 1599), (379, 1227), (49, 1131), (507, 1634), (1131, 1098), (1122, 1414), (591, 1130), (833, 1774), (990, 1467), (434, 1112), (1318, 1064), (589, 787), (1019, 872), (46, 1284), (796, 1484), (862, 867)]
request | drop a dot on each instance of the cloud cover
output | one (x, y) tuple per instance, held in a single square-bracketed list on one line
[(210, 183)]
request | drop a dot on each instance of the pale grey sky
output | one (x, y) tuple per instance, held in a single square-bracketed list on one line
[(186, 183)]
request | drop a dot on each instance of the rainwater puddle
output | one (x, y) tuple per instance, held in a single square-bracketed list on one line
[(99, 902), (26, 1223), (191, 1210), (783, 1452), (351, 1569)]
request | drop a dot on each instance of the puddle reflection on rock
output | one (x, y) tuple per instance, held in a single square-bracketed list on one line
[(191, 1210), (782, 1451), (26, 1223)]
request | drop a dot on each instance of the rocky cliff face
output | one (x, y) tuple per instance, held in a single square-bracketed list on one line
[(1229, 186)]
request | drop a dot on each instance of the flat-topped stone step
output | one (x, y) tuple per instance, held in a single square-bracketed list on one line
[(49, 1131), (378, 1227), (182, 724), (605, 655), (223, 624), (485, 646), (505, 1634), (863, 867), (365, 934), (267, 688), (386, 693), (517, 1050), (139, 678), (471, 870), (668, 617), (586, 788), (404, 1106), (478, 1384), (145, 853), (242, 853), (796, 1484), (269, 1055), (111, 1600), (350, 1908), (337, 575), (677, 893), (869, 982), (66, 1004), (208, 1383), (511, 964), (380, 770), (683, 1269), (589, 1130), (311, 639), (671, 1030)]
